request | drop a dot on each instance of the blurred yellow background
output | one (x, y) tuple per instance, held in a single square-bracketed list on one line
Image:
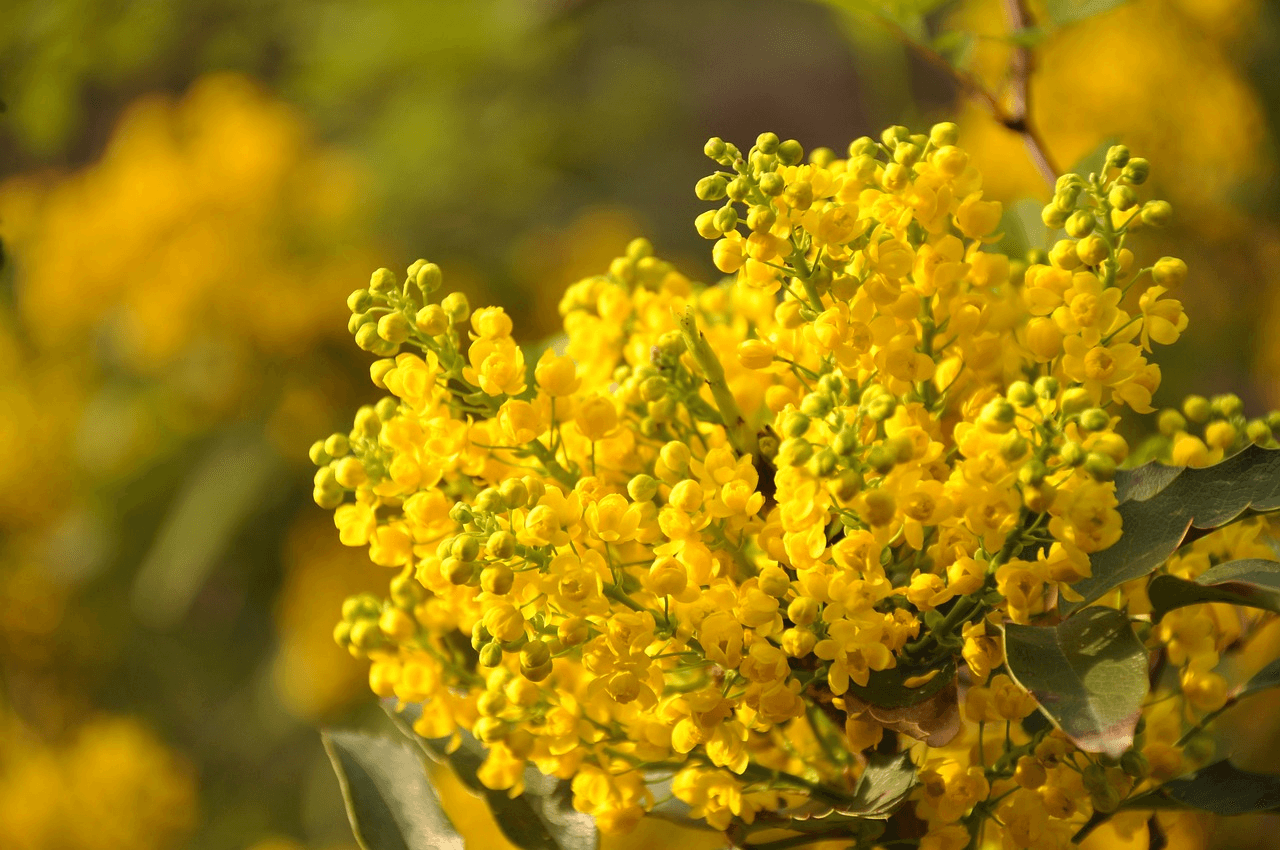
[(189, 190)]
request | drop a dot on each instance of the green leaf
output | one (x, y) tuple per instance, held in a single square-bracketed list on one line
[(1088, 673), (1063, 12), (1023, 228), (956, 46), (390, 804), (1221, 788), (1160, 506), (1251, 582), (888, 688), (883, 787), (542, 818)]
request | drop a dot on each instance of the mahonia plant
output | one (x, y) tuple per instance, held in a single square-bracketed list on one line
[(825, 547)]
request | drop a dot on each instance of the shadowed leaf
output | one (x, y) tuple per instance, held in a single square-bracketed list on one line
[(1088, 673), (1162, 506), (884, 786), (1251, 582), (1070, 11), (1221, 788), (390, 803)]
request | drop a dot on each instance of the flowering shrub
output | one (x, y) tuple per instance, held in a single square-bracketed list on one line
[(849, 545)]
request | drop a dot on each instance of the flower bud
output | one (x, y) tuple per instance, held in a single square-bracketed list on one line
[(497, 579), (1136, 171), (791, 152), (1196, 408), (491, 655), (1046, 386), (382, 282), (1157, 213), (1122, 197), (456, 307), (714, 148), (1021, 393), (1169, 271), (1099, 466), (1117, 157), (642, 488), (767, 143), (943, 134), (711, 188), (1080, 224), (1092, 250), (501, 545), (432, 320), (772, 184), (1053, 217), (726, 219)]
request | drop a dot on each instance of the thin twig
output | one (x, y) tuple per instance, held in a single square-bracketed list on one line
[(1017, 116)]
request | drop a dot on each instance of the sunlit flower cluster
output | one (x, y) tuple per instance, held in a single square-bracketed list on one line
[(716, 533)]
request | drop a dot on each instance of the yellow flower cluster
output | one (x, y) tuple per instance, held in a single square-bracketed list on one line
[(113, 786), (705, 536)]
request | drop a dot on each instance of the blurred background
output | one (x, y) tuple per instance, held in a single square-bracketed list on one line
[(188, 191)]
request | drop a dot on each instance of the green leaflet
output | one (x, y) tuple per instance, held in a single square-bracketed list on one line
[(1250, 581), (883, 786), (390, 804), (1160, 504), (1088, 673), (542, 818)]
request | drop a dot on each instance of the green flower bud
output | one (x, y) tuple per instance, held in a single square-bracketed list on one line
[(1046, 386), (862, 146), (1033, 473), (794, 452), (847, 484), (799, 195), (881, 407), (514, 492), (1227, 405), (1053, 217), (1258, 432), (1013, 446), (1099, 466), (497, 579), (642, 488), (846, 442), (432, 320), (738, 189), (465, 548), (360, 301), (1136, 171), (383, 282), (317, 454), (893, 135), (491, 655), (760, 218), (1135, 764), (1170, 422), (1157, 213), (796, 424), (393, 328), (1080, 224), (501, 545), (490, 501), (406, 590), (456, 307), (1169, 271), (1196, 408), (946, 133), (459, 572), (772, 184), (366, 635), (1117, 157), (767, 143), (822, 157), (387, 408), (367, 337), (816, 405), (790, 152), (342, 634), (461, 513), (1021, 394), (711, 188), (1122, 197), (362, 606), (1094, 419), (726, 219), (1092, 250), (881, 459), (906, 154), (822, 464), (864, 168), (714, 148)]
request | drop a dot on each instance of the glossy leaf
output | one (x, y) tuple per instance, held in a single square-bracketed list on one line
[(1070, 11), (1088, 673), (884, 786), (542, 818), (1221, 788), (889, 688), (1251, 582), (390, 803), (1159, 507)]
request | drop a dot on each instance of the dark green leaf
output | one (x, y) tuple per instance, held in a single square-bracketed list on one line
[(888, 688), (1221, 788), (883, 787), (542, 818), (1251, 582), (1070, 11), (1162, 506), (1088, 673), (389, 801)]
